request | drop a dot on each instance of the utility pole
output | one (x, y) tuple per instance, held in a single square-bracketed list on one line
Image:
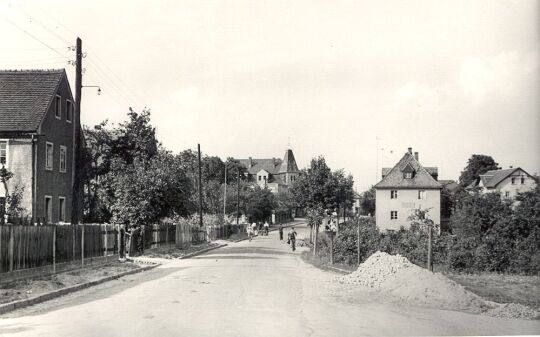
[(76, 122), (430, 242), (225, 195), (200, 186), (238, 197)]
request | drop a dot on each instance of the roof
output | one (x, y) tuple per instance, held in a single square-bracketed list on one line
[(25, 97), (289, 163), (270, 165), (450, 185), (492, 178), (421, 179)]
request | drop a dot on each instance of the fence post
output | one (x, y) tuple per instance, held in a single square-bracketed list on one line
[(358, 243), (117, 237), (430, 238), (11, 246), (54, 249), (82, 245), (167, 234)]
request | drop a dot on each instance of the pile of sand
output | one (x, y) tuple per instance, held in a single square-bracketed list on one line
[(397, 276)]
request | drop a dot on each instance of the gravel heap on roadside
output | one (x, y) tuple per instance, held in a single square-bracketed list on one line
[(377, 269), (397, 276)]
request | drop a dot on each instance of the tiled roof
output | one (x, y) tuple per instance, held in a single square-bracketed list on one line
[(449, 184), (492, 178), (289, 163), (421, 179), (271, 165), (25, 96)]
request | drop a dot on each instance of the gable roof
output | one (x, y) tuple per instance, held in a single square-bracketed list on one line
[(492, 178), (25, 96), (395, 179), (270, 165)]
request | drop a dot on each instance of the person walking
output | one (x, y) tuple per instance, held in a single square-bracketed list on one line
[(280, 232), (293, 238), (266, 228)]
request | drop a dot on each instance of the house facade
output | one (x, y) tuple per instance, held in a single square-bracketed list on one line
[(508, 182), (38, 125), (404, 188), (275, 174)]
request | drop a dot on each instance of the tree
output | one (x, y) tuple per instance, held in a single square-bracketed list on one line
[(367, 202), (146, 192), (478, 164), (261, 203)]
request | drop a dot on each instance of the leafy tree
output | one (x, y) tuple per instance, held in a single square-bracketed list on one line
[(146, 192), (260, 204), (478, 164), (367, 202), (136, 138)]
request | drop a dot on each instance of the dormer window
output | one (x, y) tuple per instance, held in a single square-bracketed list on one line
[(408, 172)]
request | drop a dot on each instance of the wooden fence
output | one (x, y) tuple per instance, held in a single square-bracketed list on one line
[(25, 247)]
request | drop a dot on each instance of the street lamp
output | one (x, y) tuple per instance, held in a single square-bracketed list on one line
[(93, 86)]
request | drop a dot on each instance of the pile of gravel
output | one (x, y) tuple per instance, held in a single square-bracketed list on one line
[(378, 268), (397, 276)]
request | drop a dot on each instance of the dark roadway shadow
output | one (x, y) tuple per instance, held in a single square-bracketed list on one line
[(251, 250)]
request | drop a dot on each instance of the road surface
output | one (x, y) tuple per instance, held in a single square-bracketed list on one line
[(257, 288)]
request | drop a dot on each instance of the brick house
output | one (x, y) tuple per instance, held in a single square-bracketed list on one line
[(38, 126), (508, 182), (405, 187), (275, 174)]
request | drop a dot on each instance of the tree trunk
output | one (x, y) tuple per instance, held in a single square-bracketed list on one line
[(316, 237)]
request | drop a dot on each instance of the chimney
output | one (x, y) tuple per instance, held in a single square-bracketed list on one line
[(250, 163), (274, 161), (416, 156), (409, 150)]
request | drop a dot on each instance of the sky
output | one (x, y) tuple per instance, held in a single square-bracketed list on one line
[(357, 82)]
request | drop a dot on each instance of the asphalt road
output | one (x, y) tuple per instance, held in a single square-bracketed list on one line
[(257, 288)]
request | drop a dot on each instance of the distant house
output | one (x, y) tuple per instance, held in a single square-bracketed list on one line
[(508, 182), (38, 125), (405, 187), (275, 174)]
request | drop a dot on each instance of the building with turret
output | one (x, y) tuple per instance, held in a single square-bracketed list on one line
[(273, 173)]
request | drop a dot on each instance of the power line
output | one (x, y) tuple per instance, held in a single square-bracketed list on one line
[(43, 26), (34, 37)]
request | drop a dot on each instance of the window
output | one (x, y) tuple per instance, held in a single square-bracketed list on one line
[(393, 215), (522, 180), (408, 175), (422, 194), (513, 181), (69, 111), (3, 152), (260, 177), (507, 194), (48, 209), (62, 159), (49, 156), (58, 107), (393, 194), (62, 209)]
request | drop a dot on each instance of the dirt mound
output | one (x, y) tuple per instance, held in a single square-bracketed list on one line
[(407, 282)]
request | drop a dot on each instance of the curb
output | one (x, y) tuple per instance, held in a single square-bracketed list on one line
[(7, 307), (202, 251)]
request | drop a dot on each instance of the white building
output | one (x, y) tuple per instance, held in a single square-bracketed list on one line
[(405, 187), (508, 182)]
